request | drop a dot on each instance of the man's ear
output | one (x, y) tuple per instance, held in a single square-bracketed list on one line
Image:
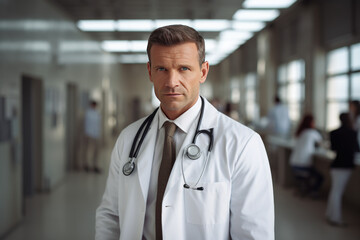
[(204, 71), (149, 70)]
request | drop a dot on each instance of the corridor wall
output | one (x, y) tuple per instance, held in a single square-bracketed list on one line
[(38, 40)]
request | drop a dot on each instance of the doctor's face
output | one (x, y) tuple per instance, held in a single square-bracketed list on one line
[(176, 75)]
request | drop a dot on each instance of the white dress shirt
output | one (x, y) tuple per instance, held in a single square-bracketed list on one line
[(183, 123), (92, 123)]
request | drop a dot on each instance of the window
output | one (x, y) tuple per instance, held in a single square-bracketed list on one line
[(252, 106), (235, 90), (343, 82), (291, 87)]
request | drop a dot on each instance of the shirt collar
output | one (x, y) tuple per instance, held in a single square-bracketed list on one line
[(185, 120)]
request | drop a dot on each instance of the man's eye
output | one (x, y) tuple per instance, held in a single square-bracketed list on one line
[(161, 69), (184, 68)]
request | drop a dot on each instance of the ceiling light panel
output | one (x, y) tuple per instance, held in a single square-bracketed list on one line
[(133, 58), (211, 25), (268, 3), (124, 46), (210, 45), (97, 25), (256, 15), (138, 46), (248, 26), (135, 25), (27, 46), (235, 35), (116, 46), (76, 46), (165, 22)]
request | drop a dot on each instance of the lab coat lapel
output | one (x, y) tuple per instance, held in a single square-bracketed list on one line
[(146, 156), (209, 121)]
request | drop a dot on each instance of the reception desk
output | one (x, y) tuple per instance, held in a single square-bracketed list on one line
[(279, 150)]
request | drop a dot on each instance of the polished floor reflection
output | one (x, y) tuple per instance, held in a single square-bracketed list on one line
[(68, 212)]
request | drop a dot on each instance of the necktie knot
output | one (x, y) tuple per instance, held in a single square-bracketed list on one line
[(170, 128)]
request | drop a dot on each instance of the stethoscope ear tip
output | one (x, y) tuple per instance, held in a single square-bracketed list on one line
[(193, 188)]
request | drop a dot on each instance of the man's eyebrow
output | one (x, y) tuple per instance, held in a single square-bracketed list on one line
[(185, 65), (157, 66)]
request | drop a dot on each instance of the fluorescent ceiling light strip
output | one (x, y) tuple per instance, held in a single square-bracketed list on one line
[(135, 25), (138, 45), (165, 22), (86, 58), (235, 35), (210, 45), (116, 46), (97, 25), (133, 58), (211, 25), (248, 26), (226, 48), (268, 3), (214, 59), (34, 25), (76, 46), (256, 15), (124, 46), (31, 46)]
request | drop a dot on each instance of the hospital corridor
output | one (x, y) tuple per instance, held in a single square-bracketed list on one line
[(69, 212), (250, 119)]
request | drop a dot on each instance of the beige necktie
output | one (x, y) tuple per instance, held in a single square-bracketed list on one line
[(167, 163)]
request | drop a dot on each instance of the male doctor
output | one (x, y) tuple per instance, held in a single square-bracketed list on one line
[(226, 194)]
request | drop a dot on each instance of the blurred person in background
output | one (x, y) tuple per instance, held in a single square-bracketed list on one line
[(354, 111), (301, 160), (344, 143), (278, 119), (217, 104), (231, 112), (92, 138)]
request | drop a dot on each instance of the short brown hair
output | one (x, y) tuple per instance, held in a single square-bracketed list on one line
[(176, 34)]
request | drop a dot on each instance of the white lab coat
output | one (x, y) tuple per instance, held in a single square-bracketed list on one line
[(237, 200), (279, 121)]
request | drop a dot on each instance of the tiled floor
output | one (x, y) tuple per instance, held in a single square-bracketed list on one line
[(68, 213)]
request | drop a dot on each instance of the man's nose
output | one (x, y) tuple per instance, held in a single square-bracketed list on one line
[(173, 79)]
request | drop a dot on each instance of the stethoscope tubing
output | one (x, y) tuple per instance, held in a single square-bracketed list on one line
[(186, 185), (147, 122), (129, 166)]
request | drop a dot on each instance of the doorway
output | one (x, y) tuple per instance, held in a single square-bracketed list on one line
[(72, 126), (32, 113)]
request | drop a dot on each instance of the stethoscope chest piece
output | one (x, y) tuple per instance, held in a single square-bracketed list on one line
[(128, 168), (193, 151)]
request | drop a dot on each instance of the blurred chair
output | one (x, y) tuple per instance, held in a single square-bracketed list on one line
[(302, 182)]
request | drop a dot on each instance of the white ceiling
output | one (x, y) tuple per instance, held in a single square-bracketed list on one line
[(153, 10)]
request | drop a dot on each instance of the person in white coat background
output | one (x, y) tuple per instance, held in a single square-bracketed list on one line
[(226, 193), (301, 158), (279, 123), (92, 132)]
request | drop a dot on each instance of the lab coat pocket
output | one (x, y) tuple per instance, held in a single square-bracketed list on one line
[(210, 206)]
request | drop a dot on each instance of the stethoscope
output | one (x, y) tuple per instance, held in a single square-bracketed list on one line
[(192, 151)]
